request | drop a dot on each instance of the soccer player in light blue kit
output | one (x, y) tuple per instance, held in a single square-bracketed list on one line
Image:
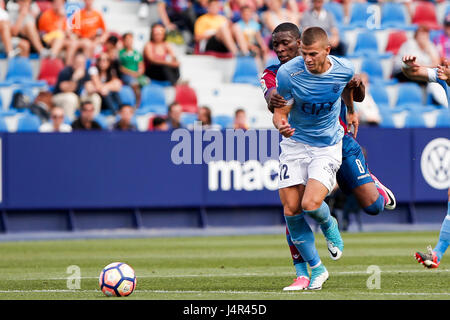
[(311, 149), (441, 75)]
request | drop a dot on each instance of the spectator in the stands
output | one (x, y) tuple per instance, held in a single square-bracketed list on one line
[(70, 85), (86, 120), (57, 122), (421, 47), (240, 120), (112, 47), (174, 115), (276, 14), (213, 32), (204, 115), (11, 46), (132, 66), (22, 15), (126, 113), (161, 63), (317, 16), (368, 111), (52, 25), (155, 10), (160, 124), (89, 26), (106, 83), (442, 41), (251, 31)]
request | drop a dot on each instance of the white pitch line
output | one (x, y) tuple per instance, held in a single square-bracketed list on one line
[(208, 275), (229, 292)]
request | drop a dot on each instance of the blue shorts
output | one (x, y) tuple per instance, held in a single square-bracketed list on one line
[(353, 171)]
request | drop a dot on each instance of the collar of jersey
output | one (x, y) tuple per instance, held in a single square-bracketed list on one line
[(323, 73)]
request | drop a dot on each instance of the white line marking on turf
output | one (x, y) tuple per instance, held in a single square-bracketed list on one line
[(208, 275), (228, 292)]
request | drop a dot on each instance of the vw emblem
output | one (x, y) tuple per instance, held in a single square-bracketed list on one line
[(435, 163)]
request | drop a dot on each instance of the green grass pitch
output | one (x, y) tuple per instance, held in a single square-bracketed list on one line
[(222, 267)]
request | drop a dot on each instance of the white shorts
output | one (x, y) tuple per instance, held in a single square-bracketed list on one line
[(300, 162)]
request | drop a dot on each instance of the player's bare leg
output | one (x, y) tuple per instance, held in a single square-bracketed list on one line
[(372, 199)]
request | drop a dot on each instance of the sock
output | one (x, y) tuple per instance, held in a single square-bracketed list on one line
[(376, 207), (303, 238), (322, 216), (444, 236), (301, 267)]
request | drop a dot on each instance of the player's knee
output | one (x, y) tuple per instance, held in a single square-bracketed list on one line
[(375, 208), (311, 204)]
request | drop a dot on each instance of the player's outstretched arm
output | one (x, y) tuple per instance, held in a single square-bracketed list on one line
[(412, 70), (280, 121), (443, 72), (352, 116)]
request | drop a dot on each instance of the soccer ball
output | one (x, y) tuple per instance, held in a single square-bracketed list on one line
[(117, 279)]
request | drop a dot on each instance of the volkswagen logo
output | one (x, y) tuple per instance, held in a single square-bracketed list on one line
[(435, 163)]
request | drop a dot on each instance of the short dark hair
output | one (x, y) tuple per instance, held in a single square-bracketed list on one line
[(239, 110), (125, 105), (126, 34), (112, 39), (157, 121), (287, 27), (314, 34), (84, 103)]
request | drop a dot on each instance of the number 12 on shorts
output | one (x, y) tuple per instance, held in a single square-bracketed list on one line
[(284, 172)]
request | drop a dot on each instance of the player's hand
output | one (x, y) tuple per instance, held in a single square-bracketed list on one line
[(285, 129), (444, 71), (353, 121), (410, 61), (355, 82), (276, 101)]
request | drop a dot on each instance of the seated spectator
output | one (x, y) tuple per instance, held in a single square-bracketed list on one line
[(205, 117), (156, 9), (367, 110), (54, 32), (10, 45), (319, 17), (106, 83), (57, 122), (86, 120), (276, 14), (442, 41), (160, 124), (22, 16), (71, 84), (126, 113), (160, 61), (131, 65), (240, 120), (251, 30), (212, 32), (421, 47), (89, 26), (174, 116)]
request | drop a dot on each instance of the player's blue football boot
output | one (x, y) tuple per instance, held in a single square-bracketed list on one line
[(334, 240), (318, 277)]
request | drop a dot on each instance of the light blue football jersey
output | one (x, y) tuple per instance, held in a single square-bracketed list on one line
[(316, 99)]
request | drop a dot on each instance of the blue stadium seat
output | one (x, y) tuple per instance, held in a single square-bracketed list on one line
[(409, 94), (102, 121), (393, 15), (27, 91), (161, 83), (188, 119), (414, 120), (443, 119), (28, 123), (127, 96), (223, 120), (374, 69), (379, 94), (20, 71), (367, 46), (153, 100), (336, 9), (272, 61), (3, 126), (359, 15), (386, 119), (246, 71)]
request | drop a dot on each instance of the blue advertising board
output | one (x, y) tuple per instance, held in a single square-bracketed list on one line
[(89, 170)]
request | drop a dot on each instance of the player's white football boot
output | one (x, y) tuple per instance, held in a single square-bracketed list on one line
[(335, 243), (301, 283), (318, 277)]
